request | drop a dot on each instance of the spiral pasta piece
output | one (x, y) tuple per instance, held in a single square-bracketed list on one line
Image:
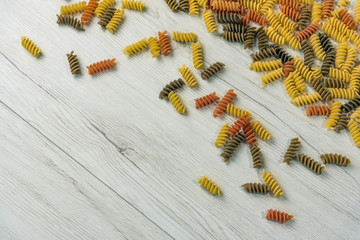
[(350, 60), (256, 156), (132, 4), (73, 63), (342, 93), (293, 41), (342, 122), (356, 115), (272, 76), (309, 55), (249, 37), (174, 6), (193, 7), (238, 125), (341, 53), (347, 19), (278, 216), (328, 63), (184, 37), (286, 22), (225, 6), (222, 136), (317, 110), (184, 5), (334, 32), (307, 32), (73, 8), (351, 105), (326, 43), (290, 86), (334, 115), (204, 3), (355, 132), (209, 185), (233, 36), (154, 46), (115, 20), (256, 188), (212, 70), (273, 20), (177, 102), (30, 46), (89, 11), (260, 130), (334, 158), (355, 79), (172, 86), (106, 17), (197, 55), (209, 20), (249, 133), (262, 40), (305, 17), (288, 68), (264, 53), (274, 36), (206, 100), (256, 17), (69, 20), (303, 69), (353, 36), (310, 163), (164, 43), (103, 5), (228, 17), (299, 82), (290, 12), (262, 66), (343, 3), (231, 145), (251, 5), (236, 111), (334, 83), (101, 66), (357, 12), (316, 13), (316, 46), (269, 4), (292, 149), (232, 27), (283, 55), (328, 6), (293, 4), (136, 47), (273, 184), (340, 75), (188, 76), (318, 85), (307, 99), (221, 107)]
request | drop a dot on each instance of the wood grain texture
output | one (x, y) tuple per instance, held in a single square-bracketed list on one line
[(113, 129)]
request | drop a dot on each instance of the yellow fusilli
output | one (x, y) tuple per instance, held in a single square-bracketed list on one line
[(197, 55), (333, 32), (176, 102), (188, 76), (193, 7), (209, 20), (103, 5), (318, 49), (341, 53), (272, 76), (355, 79), (222, 136), (340, 75), (286, 22), (260, 130), (236, 111), (184, 37), (262, 66), (299, 82), (350, 60), (209, 185), (30, 46), (73, 8), (355, 132), (272, 183), (115, 20), (316, 13), (132, 4), (306, 99), (303, 69), (290, 86), (334, 116), (136, 47), (154, 46), (357, 12)]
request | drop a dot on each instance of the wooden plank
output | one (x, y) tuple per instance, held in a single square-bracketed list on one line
[(46, 195), (115, 126)]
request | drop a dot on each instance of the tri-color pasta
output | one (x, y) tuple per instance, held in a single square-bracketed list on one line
[(184, 36)]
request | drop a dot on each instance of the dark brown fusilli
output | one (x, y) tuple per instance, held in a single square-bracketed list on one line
[(334, 158), (264, 53), (319, 87), (212, 70), (70, 20), (292, 150), (250, 37), (310, 163), (309, 55), (261, 188), (342, 122), (334, 83), (231, 146), (233, 36), (172, 86), (351, 105), (263, 39), (106, 17), (73, 63), (228, 17), (256, 156), (329, 62)]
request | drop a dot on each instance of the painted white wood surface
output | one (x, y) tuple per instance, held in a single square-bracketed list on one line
[(111, 131)]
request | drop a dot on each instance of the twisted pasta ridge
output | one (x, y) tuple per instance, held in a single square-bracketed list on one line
[(319, 87), (343, 3), (177, 102), (256, 17), (310, 163), (309, 55), (334, 83), (329, 62), (225, 6), (206, 100), (290, 86), (197, 55), (291, 151), (262, 66), (341, 53), (249, 37), (317, 73), (283, 55), (318, 110), (73, 63), (272, 76), (228, 17), (334, 115), (260, 130), (342, 93), (357, 12), (73, 8), (101, 66), (204, 3), (106, 17), (303, 69), (222, 136), (306, 99), (338, 25), (355, 132), (212, 70), (351, 105), (188, 76), (264, 53), (293, 41), (174, 6), (256, 188), (238, 125), (290, 12), (356, 115), (274, 36), (251, 5), (305, 17), (339, 74), (236, 111), (69, 20), (89, 11), (299, 82), (250, 135), (172, 86), (115, 20), (333, 32), (209, 21), (103, 5), (350, 60), (184, 37), (316, 46), (273, 184), (347, 19), (342, 122), (136, 47), (355, 79), (286, 22), (328, 6), (209, 185), (194, 7), (293, 4), (269, 4), (336, 13), (30, 46), (306, 2), (184, 5), (256, 156), (316, 13), (278, 216), (132, 4), (325, 42), (154, 46), (164, 43), (353, 36), (334, 158), (231, 27), (262, 40), (273, 20), (233, 36), (307, 32), (221, 107), (231, 145)]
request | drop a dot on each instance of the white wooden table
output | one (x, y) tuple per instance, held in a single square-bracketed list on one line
[(103, 157)]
